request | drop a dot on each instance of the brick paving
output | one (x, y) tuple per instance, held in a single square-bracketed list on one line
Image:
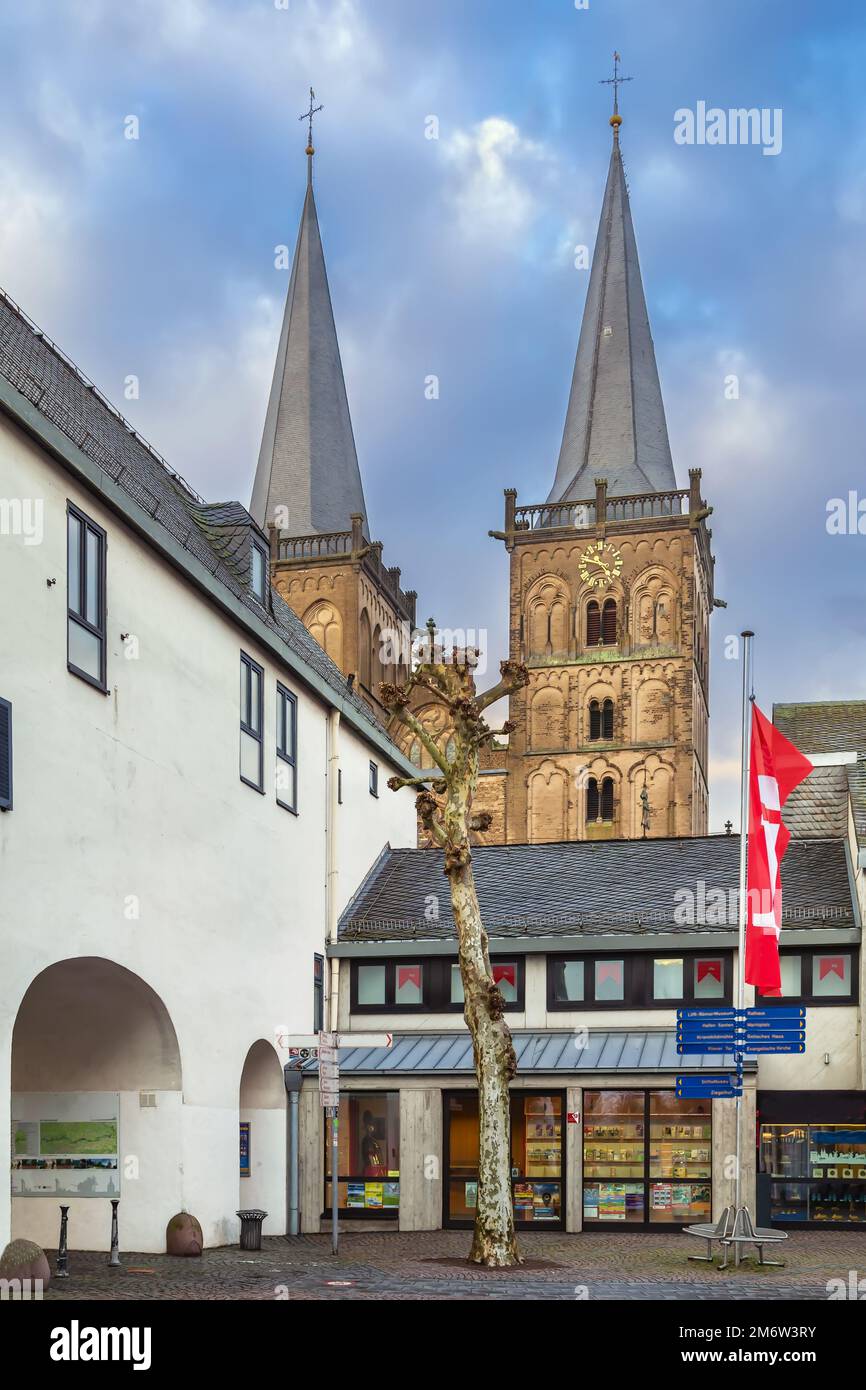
[(427, 1266)]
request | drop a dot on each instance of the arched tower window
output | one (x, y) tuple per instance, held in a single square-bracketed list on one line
[(599, 800), (607, 719), (594, 719), (593, 624), (608, 622), (600, 719)]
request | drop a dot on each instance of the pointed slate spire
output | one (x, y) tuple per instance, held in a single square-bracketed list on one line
[(615, 426), (307, 461)]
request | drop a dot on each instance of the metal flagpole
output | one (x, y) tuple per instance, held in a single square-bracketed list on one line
[(741, 939)]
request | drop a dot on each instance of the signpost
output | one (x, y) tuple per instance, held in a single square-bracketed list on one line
[(324, 1048)]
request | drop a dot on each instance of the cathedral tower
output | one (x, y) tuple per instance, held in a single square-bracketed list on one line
[(611, 589), (308, 494)]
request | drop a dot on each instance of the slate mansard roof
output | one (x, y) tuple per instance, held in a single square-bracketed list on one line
[(216, 535), (828, 727), (626, 886)]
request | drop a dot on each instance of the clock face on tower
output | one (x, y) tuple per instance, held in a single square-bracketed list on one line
[(600, 563)]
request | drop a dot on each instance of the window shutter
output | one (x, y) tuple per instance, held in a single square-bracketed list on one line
[(608, 622), (593, 624), (5, 755)]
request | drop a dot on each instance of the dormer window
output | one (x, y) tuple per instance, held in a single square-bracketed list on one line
[(258, 570)]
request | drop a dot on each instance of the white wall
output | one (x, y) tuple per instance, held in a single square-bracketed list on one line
[(133, 839)]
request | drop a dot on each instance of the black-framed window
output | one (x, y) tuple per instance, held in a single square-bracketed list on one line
[(86, 599), (644, 980), (374, 779), (5, 755), (600, 719), (817, 975), (425, 984), (287, 749), (538, 1176), (318, 993), (258, 570), (252, 723)]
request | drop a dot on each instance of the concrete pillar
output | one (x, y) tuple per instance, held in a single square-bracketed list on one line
[(420, 1159)]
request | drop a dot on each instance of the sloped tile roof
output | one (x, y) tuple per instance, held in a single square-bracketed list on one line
[(831, 726), (626, 885), (59, 392), (818, 808)]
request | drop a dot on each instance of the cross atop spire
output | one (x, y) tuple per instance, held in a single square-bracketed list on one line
[(308, 117), (616, 82)]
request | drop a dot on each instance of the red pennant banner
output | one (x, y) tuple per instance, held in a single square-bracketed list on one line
[(408, 975), (776, 768), (508, 973), (709, 969), (831, 965)]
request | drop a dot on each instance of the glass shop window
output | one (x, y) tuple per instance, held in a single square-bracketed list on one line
[(368, 1180), (568, 986), (709, 978), (408, 984), (831, 975)]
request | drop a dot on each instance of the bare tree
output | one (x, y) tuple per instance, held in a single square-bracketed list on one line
[(444, 806)]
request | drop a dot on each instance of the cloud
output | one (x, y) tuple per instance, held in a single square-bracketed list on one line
[(495, 176)]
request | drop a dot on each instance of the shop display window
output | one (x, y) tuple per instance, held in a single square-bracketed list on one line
[(638, 980), (791, 970), (408, 986), (368, 1181), (536, 1157), (371, 984), (630, 1178), (432, 985), (824, 975), (567, 978), (829, 1160)]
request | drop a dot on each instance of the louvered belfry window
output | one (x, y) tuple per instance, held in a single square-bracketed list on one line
[(608, 622), (594, 720), (607, 799), (607, 719), (593, 623), (592, 799), (5, 755)]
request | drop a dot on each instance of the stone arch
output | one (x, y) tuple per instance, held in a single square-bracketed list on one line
[(262, 1106), (365, 650), (654, 608), (547, 610), (94, 1043), (547, 796), (547, 718), (658, 776), (600, 808), (324, 622), (434, 719), (653, 710)]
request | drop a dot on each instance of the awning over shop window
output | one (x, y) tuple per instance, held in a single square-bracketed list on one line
[(601, 1050)]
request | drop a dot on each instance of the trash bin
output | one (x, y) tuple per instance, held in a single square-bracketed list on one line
[(251, 1228)]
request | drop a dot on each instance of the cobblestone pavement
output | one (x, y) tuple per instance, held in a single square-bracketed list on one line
[(428, 1265)]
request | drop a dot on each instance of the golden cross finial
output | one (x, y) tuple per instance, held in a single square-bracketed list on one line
[(616, 82), (308, 116)]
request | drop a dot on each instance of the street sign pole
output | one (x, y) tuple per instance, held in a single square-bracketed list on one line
[(741, 934), (335, 1163)]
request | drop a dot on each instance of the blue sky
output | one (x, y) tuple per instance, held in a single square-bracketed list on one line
[(454, 257)]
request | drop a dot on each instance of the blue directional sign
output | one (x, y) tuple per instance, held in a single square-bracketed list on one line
[(779, 1012), (761, 1048), (698, 1015), (773, 1035), (694, 1087)]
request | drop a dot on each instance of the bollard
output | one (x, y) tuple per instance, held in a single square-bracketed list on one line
[(114, 1258), (60, 1269)]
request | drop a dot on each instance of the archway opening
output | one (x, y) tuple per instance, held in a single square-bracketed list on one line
[(96, 1102), (262, 1106)]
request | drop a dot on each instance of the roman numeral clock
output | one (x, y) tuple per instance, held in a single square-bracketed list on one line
[(600, 563)]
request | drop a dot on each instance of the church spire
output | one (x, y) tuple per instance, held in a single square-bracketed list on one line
[(307, 461), (615, 425)]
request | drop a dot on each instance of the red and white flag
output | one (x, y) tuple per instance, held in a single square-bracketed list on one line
[(776, 768)]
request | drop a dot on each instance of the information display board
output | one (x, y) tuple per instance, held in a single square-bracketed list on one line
[(64, 1144)]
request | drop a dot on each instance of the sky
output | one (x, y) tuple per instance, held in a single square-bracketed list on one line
[(154, 257)]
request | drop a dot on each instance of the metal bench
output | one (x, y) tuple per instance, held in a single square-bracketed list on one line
[(706, 1231), (744, 1232)]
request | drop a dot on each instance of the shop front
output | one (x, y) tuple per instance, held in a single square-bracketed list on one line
[(812, 1158), (647, 1159)]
